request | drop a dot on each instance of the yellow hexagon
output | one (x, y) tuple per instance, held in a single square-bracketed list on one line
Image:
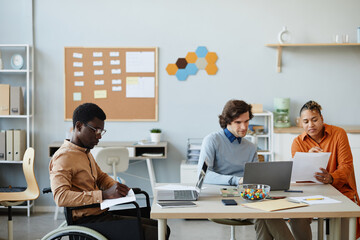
[(211, 69), (191, 57), (211, 57), (171, 69)]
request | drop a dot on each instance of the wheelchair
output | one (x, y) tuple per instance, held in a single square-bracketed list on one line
[(129, 228)]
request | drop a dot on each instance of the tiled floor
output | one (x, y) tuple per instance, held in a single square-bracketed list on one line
[(39, 224)]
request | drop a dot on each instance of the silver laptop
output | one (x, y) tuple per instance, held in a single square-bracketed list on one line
[(184, 195), (275, 174)]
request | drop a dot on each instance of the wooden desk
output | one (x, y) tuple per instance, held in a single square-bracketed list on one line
[(210, 206), (137, 149)]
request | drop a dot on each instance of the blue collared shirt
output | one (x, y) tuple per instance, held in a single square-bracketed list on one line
[(231, 136)]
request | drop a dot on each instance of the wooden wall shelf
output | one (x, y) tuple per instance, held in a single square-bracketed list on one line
[(280, 46)]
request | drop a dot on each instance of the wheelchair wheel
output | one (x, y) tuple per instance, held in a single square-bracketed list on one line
[(73, 233)]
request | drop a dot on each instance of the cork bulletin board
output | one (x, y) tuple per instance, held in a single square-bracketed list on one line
[(122, 81)]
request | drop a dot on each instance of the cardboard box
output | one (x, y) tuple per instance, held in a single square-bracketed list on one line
[(16, 101), (4, 99)]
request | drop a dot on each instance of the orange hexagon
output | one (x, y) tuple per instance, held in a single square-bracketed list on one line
[(211, 57), (171, 69), (191, 57), (211, 69)]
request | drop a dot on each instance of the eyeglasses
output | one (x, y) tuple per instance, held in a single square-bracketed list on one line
[(96, 130)]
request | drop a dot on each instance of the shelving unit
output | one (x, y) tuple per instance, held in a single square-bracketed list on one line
[(193, 150), (281, 46), (25, 79), (265, 141)]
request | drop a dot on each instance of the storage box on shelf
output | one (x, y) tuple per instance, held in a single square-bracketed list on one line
[(16, 112), (193, 150)]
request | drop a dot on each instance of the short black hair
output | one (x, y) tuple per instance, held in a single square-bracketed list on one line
[(312, 106), (232, 110), (87, 112)]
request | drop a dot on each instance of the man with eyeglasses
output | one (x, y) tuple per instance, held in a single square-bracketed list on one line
[(77, 180)]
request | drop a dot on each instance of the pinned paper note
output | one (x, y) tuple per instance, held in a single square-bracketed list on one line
[(77, 96), (116, 88), (79, 83), (140, 62), (100, 94), (77, 55), (115, 71), (114, 62), (78, 74), (99, 82), (114, 54), (116, 81), (97, 63), (97, 54), (77, 64), (140, 87), (98, 72)]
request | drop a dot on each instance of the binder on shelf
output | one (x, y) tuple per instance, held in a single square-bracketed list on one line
[(4, 99), (2, 145), (16, 101), (193, 150), (19, 144), (9, 145)]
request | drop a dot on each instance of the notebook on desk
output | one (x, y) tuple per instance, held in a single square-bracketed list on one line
[(275, 174), (184, 195)]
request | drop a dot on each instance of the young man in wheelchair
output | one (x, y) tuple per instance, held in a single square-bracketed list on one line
[(77, 180)]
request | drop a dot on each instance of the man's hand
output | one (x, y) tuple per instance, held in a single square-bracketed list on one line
[(315, 150), (324, 176), (115, 191)]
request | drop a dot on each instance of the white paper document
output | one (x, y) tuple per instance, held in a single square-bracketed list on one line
[(306, 164), (130, 197), (140, 87), (315, 199), (140, 62)]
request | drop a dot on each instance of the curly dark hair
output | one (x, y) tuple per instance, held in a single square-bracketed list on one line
[(232, 110), (311, 105), (87, 112)]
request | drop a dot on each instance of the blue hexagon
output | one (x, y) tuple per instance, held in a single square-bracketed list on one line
[(181, 74), (201, 52), (191, 69)]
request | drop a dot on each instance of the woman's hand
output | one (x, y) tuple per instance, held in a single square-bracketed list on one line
[(315, 150), (324, 176)]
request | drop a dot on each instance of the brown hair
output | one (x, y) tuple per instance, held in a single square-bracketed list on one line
[(232, 110), (311, 105)]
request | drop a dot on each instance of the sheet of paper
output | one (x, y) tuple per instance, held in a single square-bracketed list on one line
[(140, 87), (116, 71), (130, 197), (116, 81), (315, 199), (98, 72), (77, 64), (78, 74), (114, 54), (140, 62), (77, 55), (116, 88), (114, 62), (175, 187), (100, 94), (79, 83), (99, 82), (97, 63), (306, 164), (77, 96), (97, 54)]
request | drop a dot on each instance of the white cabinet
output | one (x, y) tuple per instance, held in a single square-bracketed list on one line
[(188, 172), (354, 140), (18, 76), (264, 140), (282, 146)]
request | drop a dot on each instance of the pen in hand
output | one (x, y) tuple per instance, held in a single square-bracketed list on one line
[(118, 179)]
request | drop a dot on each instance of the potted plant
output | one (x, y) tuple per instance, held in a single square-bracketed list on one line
[(155, 135)]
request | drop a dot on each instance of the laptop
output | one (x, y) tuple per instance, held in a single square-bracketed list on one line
[(184, 195), (275, 174)]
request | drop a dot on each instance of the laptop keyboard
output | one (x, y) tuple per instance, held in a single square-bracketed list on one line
[(183, 195)]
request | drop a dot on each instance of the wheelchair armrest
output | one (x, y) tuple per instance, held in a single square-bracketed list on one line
[(139, 191), (46, 190)]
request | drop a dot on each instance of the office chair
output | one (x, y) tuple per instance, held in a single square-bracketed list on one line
[(125, 228), (113, 160), (232, 223), (32, 192)]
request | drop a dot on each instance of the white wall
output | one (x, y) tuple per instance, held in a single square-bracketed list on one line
[(237, 30)]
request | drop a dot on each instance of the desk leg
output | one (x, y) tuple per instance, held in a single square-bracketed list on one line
[(320, 229), (352, 228), (335, 228), (151, 174), (162, 223)]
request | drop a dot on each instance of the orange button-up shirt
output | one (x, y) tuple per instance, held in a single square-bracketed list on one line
[(77, 180), (340, 164)]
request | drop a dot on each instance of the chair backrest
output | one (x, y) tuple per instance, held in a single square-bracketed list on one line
[(32, 189), (113, 160)]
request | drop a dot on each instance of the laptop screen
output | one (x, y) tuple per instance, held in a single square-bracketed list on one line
[(201, 176)]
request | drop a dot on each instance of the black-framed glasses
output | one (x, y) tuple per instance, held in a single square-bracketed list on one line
[(96, 130)]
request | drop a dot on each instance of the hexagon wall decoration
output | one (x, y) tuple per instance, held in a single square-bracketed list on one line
[(200, 59)]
